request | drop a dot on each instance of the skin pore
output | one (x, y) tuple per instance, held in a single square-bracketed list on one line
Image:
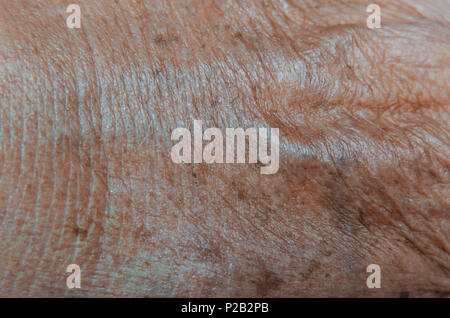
[(86, 176)]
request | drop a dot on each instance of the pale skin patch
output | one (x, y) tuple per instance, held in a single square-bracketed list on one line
[(85, 149)]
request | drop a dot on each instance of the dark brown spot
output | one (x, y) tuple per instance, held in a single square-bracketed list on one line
[(241, 195), (237, 35), (164, 41), (212, 253), (80, 232), (404, 294), (267, 282)]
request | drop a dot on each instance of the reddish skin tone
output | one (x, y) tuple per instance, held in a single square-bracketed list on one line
[(86, 176)]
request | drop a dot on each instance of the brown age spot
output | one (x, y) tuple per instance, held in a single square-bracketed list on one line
[(164, 41), (80, 232), (237, 35), (404, 294), (267, 282), (212, 253)]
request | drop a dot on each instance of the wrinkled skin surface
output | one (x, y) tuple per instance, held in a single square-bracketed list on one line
[(86, 175)]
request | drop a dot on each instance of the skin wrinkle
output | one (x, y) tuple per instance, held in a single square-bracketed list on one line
[(139, 225), (53, 176)]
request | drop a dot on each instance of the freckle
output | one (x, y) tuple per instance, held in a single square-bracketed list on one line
[(268, 282), (79, 232), (237, 35), (212, 253), (164, 41)]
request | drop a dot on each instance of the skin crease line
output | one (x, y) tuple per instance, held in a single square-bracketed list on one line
[(86, 175)]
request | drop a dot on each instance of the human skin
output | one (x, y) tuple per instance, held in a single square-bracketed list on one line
[(86, 175)]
